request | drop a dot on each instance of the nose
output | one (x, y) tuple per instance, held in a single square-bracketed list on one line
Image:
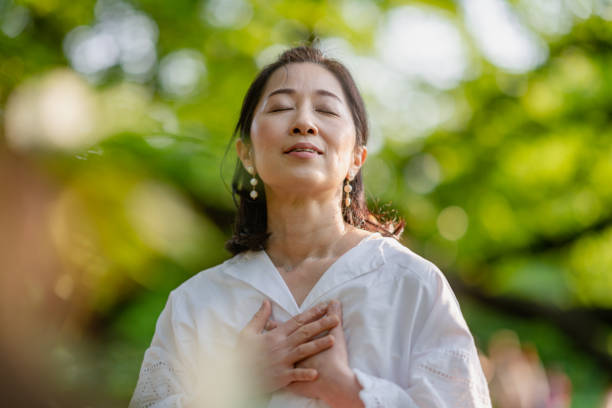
[(304, 125)]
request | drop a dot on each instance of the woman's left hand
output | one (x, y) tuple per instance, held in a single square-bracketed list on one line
[(336, 383)]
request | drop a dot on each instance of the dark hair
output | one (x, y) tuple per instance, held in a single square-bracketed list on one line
[(250, 229)]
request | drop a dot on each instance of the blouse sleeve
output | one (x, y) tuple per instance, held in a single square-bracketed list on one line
[(164, 374), (443, 369)]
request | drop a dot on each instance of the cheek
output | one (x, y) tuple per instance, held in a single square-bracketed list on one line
[(264, 139), (344, 146)]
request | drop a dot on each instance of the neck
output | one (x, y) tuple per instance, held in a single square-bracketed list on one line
[(303, 228)]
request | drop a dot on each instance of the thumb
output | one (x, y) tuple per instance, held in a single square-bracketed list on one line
[(259, 320)]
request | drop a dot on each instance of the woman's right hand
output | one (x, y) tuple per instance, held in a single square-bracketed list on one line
[(275, 348)]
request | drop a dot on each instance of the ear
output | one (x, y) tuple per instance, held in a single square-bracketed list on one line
[(244, 153), (359, 157)]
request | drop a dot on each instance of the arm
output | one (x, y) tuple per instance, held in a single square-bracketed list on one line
[(431, 387), (440, 369), (163, 380), (443, 368)]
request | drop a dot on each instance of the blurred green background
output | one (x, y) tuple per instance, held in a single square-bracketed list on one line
[(491, 136)]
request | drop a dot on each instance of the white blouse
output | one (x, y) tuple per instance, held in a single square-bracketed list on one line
[(407, 340)]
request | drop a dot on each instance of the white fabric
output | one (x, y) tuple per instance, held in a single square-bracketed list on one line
[(407, 340)]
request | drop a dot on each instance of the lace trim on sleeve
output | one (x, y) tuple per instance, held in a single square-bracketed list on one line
[(369, 394), (157, 386), (462, 369)]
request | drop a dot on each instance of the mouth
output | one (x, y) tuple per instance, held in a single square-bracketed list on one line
[(304, 147)]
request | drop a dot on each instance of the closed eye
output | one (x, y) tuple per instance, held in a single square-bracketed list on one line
[(327, 112), (280, 109)]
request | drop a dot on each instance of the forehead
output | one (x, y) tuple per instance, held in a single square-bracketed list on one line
[(304, 77)]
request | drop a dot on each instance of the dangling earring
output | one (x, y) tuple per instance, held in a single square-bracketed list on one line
[(347, 189), (253, 182)]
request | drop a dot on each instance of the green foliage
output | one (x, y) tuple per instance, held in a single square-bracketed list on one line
[(509, 191)]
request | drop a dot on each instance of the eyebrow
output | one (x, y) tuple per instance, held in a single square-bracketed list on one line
[(290, 91)]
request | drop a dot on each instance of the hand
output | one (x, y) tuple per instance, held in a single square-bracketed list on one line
[(336, 383), (273, 353)]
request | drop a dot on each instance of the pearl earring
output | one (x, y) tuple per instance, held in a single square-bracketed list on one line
[(347, 189), (253, 182)]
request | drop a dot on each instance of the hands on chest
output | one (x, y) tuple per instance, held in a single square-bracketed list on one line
[(306, 355)]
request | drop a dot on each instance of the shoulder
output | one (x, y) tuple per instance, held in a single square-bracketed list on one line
[(209, 280), (415, 274), (403, 263), (420, 282)]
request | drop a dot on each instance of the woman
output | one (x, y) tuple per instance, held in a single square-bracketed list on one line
[(347, 316)]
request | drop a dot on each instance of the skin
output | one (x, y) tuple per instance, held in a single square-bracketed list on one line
[(276, 351), (304, 102)]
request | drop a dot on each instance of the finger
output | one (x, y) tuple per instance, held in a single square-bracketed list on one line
[(335, 308), (311, 330), (302, 374), (259, 320), (310, 349), (306, 317), (271, 325)]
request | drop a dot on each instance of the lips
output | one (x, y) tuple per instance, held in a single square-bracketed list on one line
[(303, 147)]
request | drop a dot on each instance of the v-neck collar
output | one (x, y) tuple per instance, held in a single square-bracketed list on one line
[(256, 269)]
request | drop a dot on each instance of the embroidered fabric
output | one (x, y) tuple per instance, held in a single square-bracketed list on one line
[(458, 367), (370, 395), (441, 369), (158, 386)]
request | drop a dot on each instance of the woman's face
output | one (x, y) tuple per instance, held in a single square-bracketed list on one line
[(302, 134)]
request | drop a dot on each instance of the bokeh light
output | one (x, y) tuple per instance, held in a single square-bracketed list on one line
[(181, 73), (121, 36), (426, 44), (227, 13), (56, 112), (452, 223), (501, 36)]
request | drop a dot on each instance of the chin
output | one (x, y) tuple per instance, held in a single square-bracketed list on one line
[(302, 183), (310, 178)]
